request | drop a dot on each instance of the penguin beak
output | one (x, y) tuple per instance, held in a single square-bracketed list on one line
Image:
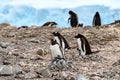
[(75, 37)]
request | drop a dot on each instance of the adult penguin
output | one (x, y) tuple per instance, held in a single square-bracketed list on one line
[(96, 19), (61, 40), (73, 19), (57, 53), (83, 45)]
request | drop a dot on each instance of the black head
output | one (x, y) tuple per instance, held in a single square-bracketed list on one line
[(79, 36), (71, 12), (97, 13), (53, 42), (54, 23), (56, 33)]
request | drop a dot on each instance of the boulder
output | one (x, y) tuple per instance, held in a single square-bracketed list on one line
[(8, 70)]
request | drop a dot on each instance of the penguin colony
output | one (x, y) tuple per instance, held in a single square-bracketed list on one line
[(59, 44)]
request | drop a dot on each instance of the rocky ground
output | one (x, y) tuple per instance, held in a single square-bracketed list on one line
[(25, 54)]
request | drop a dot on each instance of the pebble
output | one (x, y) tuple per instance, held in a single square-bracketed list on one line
[(31, 75), (4, 44)]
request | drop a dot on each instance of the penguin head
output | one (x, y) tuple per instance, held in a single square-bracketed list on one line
[(79, 36), (53, 42), (97, 13), (56, 33), (71, 13), (54, 23)]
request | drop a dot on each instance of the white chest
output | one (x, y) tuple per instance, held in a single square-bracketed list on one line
[(57, 39), (81, 47), (55, 51)]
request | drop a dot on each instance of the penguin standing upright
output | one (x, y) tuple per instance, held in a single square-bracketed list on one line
[(61, 40), (73, 19), (57, 52), (96, 19), (83, 45)]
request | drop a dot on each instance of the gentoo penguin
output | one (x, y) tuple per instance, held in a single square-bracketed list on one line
[(23, 27), (96, 19), (49, 24), (80, 25), (83, 45), (61, 40), (57, 52), (73, 19)]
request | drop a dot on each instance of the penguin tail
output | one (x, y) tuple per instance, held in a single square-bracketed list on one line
[(95, 52)]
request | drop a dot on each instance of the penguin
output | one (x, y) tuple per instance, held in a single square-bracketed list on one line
[(23, 27), (96, 19), (73, 19), (83, 45), (57, 52), (61, 40), (80, 25), (49, 24)]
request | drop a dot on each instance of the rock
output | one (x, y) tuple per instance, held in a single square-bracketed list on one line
[(63, 74), (7, 70), (16, 69), (11, 35), (81, 77), (36, 57), (28, 32), (116, 63), (5, 24), (31, 75), (42, 63), (6, 62), (4, 44), (40, 52), (2, 78), (34, 41), (1, 36), (72, 78), (1, 60), (20, 76), (9, 60), (46, 73)]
